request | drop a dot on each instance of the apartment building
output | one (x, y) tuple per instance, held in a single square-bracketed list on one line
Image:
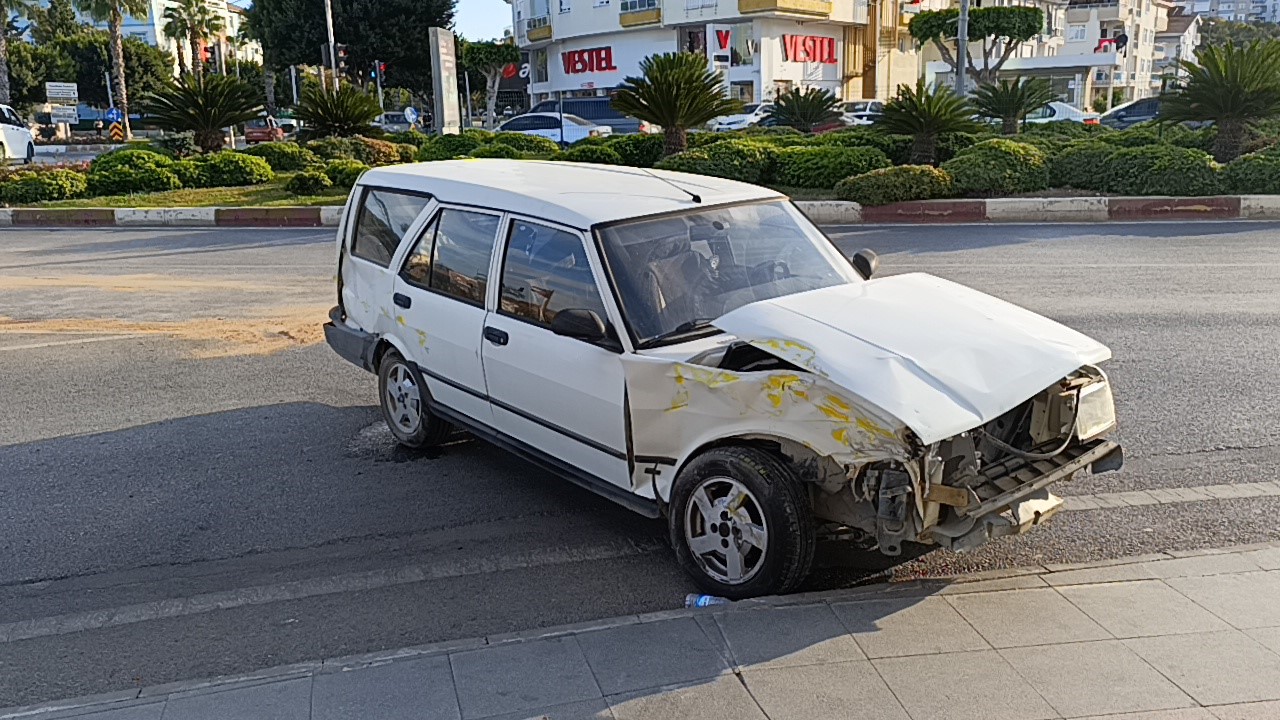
[(857, 49), (1088, 49), (150, 29), (1234, 10), (1178, 41)]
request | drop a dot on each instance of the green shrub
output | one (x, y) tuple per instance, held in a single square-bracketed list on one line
[(229, 169), (283, 156), (732, 159), (124, 179), (373, 152), (344, 173), (1196, 139), (696, 140), (177, 145), (776, 131), (896, 147), (413, 137), (1253, 174), (448, 147), (1132, 137), (998, 167), (638, 149), (190, 173), (27, 188), (823, 167), (1081, 165), (480, 136), (526, 143), (591, 154), (309, 182), (896, 184), (408, 152), (133, 158), (1050, 145), (952, 144), (333, 148), (497, 150), (1162, 170), (689, 161), (1069, 129)]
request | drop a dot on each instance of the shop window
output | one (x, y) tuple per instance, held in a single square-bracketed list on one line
[(694, 40), (538, 62), (742, 47), (743, 92)]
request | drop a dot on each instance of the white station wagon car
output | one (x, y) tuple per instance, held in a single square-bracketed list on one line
[(696, 348)]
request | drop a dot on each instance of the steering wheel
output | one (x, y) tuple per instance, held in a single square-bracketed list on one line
[(770, 271)]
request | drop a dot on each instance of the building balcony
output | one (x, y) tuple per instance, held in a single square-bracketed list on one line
[(803, 8), (537, 29), (632, 13), (1084, 10)]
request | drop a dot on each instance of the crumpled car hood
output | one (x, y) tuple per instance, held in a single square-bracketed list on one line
[(939, 356)]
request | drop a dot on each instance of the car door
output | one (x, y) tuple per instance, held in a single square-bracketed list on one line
[(377, 223), (560, 395), (440, 297), (16, 135), (549, 128)]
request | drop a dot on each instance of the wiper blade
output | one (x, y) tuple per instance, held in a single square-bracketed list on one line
[(683, 328)]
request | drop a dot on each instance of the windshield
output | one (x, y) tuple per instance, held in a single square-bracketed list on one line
[(577, 120), (856, 107), (676, 274), (397, 118), (748, 109), (257, 123)]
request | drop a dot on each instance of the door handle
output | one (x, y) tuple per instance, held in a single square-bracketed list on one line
[(495, 336), (401, 299)]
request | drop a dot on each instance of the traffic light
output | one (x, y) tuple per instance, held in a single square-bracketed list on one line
[(206, 54), (342, 58)]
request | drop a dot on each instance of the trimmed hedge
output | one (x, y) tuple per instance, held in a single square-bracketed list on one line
[(599, 154), (896, 184), (367, 150), (497, 150), (229, 168), (823, 167), (448, 147), (637, 150), (178, 145), (480, 136), (407, 151), (308, 182), (998, 167), (344, 173), (731, 159), (1082, 165), (283, 156), (1132, 137), (526, 143), (413, 137), (896, 147), (1253, 174), (1162, 170), (124, 179), (1069, 129), (133, 158), (28, 188), (190, 173)]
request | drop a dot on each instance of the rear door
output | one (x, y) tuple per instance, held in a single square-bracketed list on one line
[(439, 298), (376, 224)]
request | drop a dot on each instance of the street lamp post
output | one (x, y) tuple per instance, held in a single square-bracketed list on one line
[(333, 46), (962, 48)]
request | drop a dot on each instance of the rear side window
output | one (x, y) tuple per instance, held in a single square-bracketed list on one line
[(384, 217), (452, 256)]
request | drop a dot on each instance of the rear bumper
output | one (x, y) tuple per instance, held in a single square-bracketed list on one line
[(354, 346)]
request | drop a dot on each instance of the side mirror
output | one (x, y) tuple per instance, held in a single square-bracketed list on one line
[(579, 324), (865, 262)]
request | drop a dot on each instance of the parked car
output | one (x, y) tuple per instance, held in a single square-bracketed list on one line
[(1131, 113), (1058, 111), (393, 122), (598, 110), (566, 129), (695, 348), (19, 144), (861, 112), (751, 115), (263, 129)]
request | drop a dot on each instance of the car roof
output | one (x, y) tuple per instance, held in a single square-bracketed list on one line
[(575, 194)]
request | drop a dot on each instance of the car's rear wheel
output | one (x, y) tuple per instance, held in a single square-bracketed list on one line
[(403, 397), (31, 154), (741, 523)]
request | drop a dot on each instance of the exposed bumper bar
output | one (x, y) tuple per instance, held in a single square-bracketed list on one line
[(354, 346)]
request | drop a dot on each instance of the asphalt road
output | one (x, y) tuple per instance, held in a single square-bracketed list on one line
[(190, 485)]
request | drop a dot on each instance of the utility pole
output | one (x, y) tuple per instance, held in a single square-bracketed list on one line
[(377, 74), (293, 83), (333, 46), (962, 48)]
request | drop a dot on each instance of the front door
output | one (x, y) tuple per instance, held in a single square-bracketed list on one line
[(439, 299), (561, 395)]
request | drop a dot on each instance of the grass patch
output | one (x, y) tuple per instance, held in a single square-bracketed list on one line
[(270, 194)]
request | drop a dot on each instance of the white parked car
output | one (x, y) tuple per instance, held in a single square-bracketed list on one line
[(19, 144), (1058, 110), (565, 129), (695, 348), (861, 112), (750, 115)]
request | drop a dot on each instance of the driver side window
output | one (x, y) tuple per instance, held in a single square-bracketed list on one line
[(544, 271)]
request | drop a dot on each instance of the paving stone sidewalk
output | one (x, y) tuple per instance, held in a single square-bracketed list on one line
[(1178, 636)]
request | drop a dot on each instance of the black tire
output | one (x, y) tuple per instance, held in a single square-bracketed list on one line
[(786, 511), (31, 154), (426, 430)]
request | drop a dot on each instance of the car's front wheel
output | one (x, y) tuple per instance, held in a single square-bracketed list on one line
[(403, 396), (31, 154), (741, 523)]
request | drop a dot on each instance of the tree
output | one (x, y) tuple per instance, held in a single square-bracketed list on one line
[(990, 28), (205, 106), (10, 8), (113, 12), (31, 66), (805, 109), (925, 114), (677, 92), (1010, 101), (343, 113), (177, 25), (488, 58), (1216, 31), (1232, 86), (56, 21), (147, 68)]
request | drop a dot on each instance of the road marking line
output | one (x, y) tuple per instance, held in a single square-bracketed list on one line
[(1170, 496), (78, 341), (299, 589)]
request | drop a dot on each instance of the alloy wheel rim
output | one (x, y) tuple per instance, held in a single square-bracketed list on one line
[(403, 400), (725, 529)]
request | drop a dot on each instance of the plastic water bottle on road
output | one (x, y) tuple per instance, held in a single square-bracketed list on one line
[(696, 600)]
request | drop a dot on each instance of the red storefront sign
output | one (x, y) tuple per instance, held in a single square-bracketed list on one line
[(722, 38), (809, 49), (590, 60)]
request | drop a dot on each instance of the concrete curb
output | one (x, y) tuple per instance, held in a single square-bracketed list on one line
[(75, 149), (990, 581)]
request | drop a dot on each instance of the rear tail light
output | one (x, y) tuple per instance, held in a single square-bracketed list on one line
[(645, 127), (1091, 121)]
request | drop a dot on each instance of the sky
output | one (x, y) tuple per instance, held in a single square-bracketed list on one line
[(481, 19)]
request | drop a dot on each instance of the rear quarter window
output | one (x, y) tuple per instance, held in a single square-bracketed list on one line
[(385, 216)]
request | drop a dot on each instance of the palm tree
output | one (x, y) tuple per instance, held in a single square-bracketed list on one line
[(204, 106), (1011, 101), (10, 8), (677, 92), (1233, 86), (925, 114), (112, 12), (177, 25), (805, 109), (341, 113)]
